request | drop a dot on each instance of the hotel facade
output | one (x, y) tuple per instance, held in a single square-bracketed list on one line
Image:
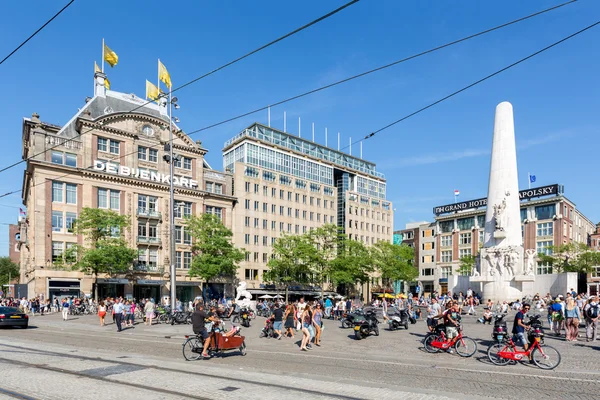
[(548, 218)]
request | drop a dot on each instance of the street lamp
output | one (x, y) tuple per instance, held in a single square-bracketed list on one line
[(170, 158)]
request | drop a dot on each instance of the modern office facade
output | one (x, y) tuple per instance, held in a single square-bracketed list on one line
[(110, 157), (285, 184)]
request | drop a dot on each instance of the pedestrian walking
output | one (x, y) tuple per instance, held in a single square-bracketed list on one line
[(591, 313), (65, 309), (118, 309), (573, 317), (149, 310), (101, 312)]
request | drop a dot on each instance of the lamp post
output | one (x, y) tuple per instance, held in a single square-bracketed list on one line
[(170, 158)]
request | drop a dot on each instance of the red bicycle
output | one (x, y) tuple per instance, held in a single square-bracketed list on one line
[(546, 357), (464, 346)]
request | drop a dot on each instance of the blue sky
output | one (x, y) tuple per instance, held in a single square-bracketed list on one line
[(424, 158)]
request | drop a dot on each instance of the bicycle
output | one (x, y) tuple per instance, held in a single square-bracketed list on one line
[(464, 345), (542, 357)]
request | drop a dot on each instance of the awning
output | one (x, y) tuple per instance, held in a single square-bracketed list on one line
[(118, 281), (150, 282)]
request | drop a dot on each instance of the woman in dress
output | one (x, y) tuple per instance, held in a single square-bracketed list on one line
[(290, 320), (101, 312)]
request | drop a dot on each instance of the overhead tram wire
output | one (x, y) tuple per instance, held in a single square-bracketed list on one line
[(370, 135), (36, 32), (382, 67), (337, 10), (415, 112), (356, 76)]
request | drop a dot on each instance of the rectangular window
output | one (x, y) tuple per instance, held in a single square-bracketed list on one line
[(446, 240), (70, 217), (543, 247), (57, 221), (218, 188), (446, 226), (187, 259), (544, 268), (447, 256), (247, 204), (247, 222), (57, 251), (251, 274), (178, 234), (102, 144), (446, 272), (115, 199), (142, 153), (114, 146), (152, 259), (57, 192), (57, 157), (218, 211), (153, 155), (465, 224), (247, 238), (247, 185), (481, 237), (102, 198), (464, 238), (71, 193), (463, 253), (178, 261), (545, 229), (545, 212), (187, 163)]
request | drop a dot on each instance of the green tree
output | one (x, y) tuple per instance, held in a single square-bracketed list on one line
[(571, 257), (325, 239), (105, 251), (213, 252), (8, 271), (353, 264), (290, 262), (394, 263), (467, 263)]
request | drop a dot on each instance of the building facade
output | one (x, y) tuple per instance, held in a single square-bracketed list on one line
[(285, 184), (110, 157), (14, 250), (546, 220), (593, 278)]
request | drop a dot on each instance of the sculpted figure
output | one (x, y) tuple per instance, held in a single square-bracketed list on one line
[(500, 215), (511, 260), (243, 296), (529, 265), (476, 267), (500, 262), (490, 265)]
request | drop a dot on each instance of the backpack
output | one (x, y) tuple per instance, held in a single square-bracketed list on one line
[(556, 307), (592, 312)]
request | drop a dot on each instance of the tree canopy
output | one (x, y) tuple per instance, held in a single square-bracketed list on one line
[(214, 254), (353, 264), (467, 263), (571, 257), (394, 262), (8, 270), (105, 252)]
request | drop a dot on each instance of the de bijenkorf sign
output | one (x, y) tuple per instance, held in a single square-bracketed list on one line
[(523, 195)]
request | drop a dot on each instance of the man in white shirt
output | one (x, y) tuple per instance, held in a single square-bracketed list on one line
[(118, 310)]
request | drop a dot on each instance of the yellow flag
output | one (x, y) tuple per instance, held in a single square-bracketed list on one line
[(96, 67), (106, 83), (151, 91), (163, 74), (110, 56)]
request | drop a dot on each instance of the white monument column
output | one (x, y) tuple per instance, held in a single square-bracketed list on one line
[(504, 229), (501, 258)]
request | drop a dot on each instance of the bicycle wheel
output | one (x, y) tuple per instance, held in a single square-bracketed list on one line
[(427, 343), (492, 353), (546, 358), (465, 346), (192, 349)]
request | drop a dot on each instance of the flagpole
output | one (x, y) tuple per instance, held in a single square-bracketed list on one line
[(102, 55), (158, 79), (529, 179), (172, 202)]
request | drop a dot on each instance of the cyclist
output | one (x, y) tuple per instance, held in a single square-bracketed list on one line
[(199, 321), (519, 328), (452, 321)]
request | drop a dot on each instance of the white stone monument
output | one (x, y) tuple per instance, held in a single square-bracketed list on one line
[(501, 258)]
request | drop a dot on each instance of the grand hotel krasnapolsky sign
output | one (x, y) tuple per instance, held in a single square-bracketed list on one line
[(146, 175), (523, 195)]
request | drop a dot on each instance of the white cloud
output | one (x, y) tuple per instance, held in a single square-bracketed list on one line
[(459, 155)]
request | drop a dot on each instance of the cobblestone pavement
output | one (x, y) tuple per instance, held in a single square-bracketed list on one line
[(56, 358)]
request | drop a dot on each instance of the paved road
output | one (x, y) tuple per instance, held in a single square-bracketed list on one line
[(393, 364)]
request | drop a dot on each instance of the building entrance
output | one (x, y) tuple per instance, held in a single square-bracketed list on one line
[(146, 292)]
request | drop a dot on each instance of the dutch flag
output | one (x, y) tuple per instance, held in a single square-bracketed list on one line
[(456, 192)]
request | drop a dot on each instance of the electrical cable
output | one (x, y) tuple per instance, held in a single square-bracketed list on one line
[(381, 67), (370, 135), (36, 32), (431, 104), (207, 74)]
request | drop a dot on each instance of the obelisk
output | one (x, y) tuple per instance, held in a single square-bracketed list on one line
[(501, 258), (503, 187)]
